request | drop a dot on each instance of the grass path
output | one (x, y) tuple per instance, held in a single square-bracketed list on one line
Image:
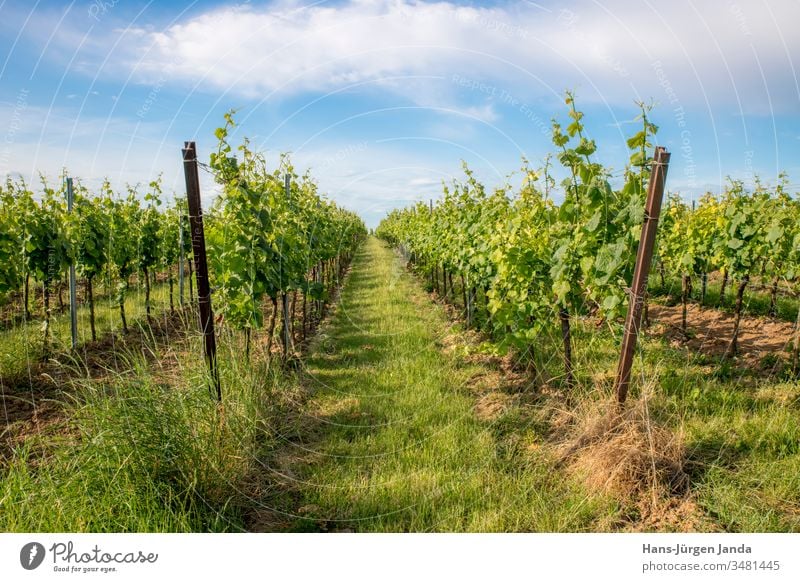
[(388, 440)]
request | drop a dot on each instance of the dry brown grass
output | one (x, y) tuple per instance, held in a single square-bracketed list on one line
[(493, 405), (623, 452)]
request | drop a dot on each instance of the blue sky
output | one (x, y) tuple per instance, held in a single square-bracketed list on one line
[(383, 98)]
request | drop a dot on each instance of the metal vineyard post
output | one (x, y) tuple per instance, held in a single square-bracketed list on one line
[(200, 261), (644, 255)]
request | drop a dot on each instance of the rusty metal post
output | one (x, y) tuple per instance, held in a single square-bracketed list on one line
[(286, 332), (73, 293), (644, 256), (433, 268), (181, 259), (200, 261)]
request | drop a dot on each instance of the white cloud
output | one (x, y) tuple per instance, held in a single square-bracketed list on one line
[(473, 65), (734, 55), (423, 182)]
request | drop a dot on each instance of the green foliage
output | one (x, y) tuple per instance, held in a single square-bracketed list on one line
[(535, 257), (44, 233), (169, 230), (90, 231), (10, 241), (263, 240), (126, 217), (742, 230), (739, 232), (150, 229)]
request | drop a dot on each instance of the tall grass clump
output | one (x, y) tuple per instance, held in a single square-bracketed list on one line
[(146, 448)]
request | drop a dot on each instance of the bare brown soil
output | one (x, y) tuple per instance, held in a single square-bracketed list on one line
[(710, 331), (37, 411)]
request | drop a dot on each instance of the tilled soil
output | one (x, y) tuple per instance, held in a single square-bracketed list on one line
[(710, 332)]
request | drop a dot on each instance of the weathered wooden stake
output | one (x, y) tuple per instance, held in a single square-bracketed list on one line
[(200, 261), (644, 256)]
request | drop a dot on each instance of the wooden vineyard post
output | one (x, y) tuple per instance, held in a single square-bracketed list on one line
[(644, 256), (73, 293), (200, 261)]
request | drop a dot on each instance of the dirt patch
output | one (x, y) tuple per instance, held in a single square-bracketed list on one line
[(266, 520), (493, 405), (710, 332), (328, 409), (785, 394), (674, 514), (37, 410)]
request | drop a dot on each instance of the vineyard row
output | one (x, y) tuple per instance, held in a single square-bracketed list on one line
[(269, 235), (540, 264)]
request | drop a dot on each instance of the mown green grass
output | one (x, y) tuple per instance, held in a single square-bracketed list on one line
[(388, 438), (397, 446), (740, 426), (743, 442)]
